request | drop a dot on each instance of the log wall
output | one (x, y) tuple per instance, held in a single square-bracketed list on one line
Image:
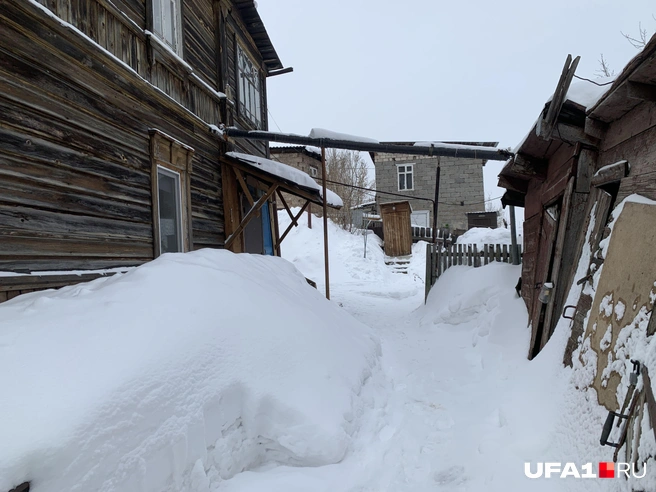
[(81, 83)]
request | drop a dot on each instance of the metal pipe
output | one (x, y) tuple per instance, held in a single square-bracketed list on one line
[(325, 220), (485, 153)]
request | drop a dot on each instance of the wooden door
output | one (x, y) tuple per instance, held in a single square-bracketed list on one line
[(544, 263)]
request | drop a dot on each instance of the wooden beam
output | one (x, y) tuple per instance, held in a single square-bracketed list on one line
[(574, 134), (638, 90), (547, 124), (595, 128), (251, 213), (284, 202), (294, 222), (244, 187), (610, 174), (530, 168), (513, 184), (585, 166)]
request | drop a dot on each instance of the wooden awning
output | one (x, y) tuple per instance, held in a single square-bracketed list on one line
[(284, 183)]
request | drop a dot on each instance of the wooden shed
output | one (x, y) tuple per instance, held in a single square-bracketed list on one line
[(396, 228), (584, 155), (482, 219)]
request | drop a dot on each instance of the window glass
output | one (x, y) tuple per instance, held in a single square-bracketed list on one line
[(168, 184), (165, 21), (405, 177), (249, 88)]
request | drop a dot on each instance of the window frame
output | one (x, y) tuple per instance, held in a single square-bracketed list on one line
[(405, 173), (174, 158), (175, 44), (247, 111), (178, 205), (314, 172)]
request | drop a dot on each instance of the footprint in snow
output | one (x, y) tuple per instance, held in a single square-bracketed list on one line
[(454, 475)]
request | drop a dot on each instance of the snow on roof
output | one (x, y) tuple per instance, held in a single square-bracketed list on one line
[(288, 173), (322, 133), (586, 93), (445, 145), (133, 379)]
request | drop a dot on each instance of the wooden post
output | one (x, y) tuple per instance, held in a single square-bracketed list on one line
[(505, 254), (469, 255), (477, 262), (435, 203), (325, 219), (486, 255), (497, 255), (514, 252)]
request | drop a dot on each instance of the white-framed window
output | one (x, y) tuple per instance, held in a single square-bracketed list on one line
[(166, 22), (314, 172), (169, 206), (249, 88), (405, 176)]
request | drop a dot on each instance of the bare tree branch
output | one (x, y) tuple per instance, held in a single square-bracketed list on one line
[(604, 70)]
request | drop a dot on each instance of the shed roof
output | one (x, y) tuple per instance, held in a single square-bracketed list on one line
[(258, 32), (313, 152), (292, 177)]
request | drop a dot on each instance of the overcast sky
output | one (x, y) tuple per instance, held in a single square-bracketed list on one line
[(434, 70)]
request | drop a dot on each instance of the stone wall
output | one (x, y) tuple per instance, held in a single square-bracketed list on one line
[(461, 185)]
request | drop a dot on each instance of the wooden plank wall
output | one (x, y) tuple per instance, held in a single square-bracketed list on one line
[(633, 138), (74, 144)]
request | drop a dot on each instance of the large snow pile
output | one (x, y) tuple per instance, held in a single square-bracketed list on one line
[(485, 235), (177, 375)]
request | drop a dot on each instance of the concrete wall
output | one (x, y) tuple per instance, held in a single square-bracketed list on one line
[(461, 180)]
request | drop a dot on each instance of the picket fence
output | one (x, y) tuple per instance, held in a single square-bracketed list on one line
[(440, 258)]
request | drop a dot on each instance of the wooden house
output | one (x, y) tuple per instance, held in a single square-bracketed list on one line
[(110, 147), (592, 146)]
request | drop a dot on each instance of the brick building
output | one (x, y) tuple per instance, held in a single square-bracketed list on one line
[(461, 184)]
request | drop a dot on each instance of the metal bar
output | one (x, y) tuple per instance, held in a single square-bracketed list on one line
[(491, 154), (325, 220)]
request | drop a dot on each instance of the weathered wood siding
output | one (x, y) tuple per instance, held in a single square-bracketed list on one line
[(633, 138), (236, 34), (75, 171)]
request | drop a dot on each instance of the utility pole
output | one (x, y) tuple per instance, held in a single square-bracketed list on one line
[(325, 220)]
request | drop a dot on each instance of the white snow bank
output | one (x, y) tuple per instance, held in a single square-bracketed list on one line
[(176, 375), (322, 133), (485, 235), (287, 172)]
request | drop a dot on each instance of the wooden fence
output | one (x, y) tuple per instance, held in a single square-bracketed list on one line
[(440, 258), (444, 236)]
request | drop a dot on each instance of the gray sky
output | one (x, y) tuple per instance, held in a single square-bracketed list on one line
[(433, 70)]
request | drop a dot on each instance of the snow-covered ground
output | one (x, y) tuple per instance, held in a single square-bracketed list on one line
[(240, 377), (177, 375), (486, 235)]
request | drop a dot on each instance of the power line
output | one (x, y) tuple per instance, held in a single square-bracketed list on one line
[(408, 196), (592, 81)]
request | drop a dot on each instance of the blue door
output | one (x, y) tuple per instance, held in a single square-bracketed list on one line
[(267, 233)]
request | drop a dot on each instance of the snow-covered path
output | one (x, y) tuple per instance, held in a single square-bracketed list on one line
[(440, 413)]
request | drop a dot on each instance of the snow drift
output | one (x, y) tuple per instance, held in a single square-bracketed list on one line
[(184, 371)]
